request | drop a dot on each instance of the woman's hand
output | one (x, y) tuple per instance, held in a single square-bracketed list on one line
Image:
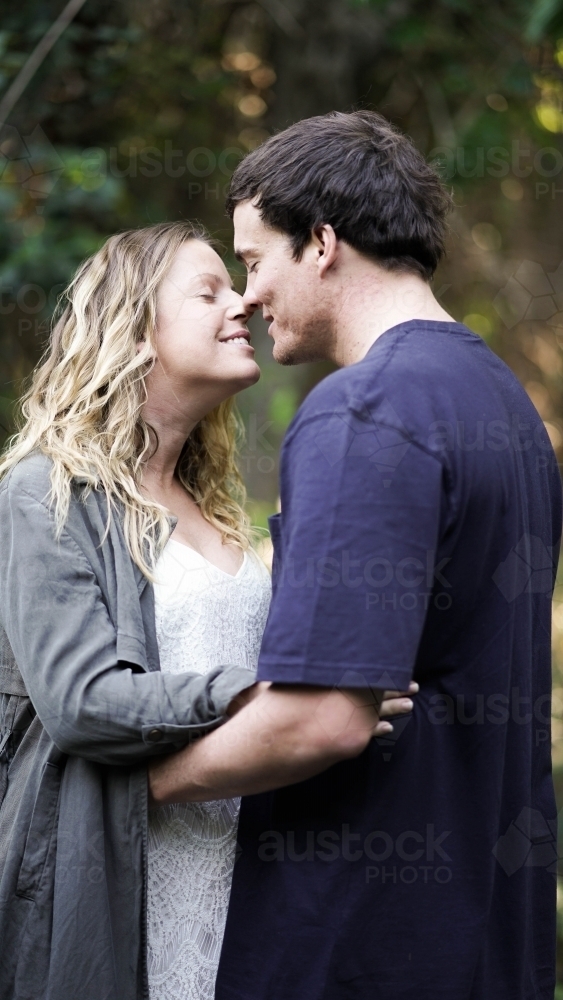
[(394, 703)]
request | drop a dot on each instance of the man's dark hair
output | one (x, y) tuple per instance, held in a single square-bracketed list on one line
[(360, 175)]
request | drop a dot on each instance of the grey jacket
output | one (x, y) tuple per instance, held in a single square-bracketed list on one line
[(83, 706)]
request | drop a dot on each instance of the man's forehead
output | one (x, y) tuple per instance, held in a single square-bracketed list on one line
[(247, 220), (252, 236)]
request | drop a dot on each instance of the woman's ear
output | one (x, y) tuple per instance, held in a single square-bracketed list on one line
[(144, 345)]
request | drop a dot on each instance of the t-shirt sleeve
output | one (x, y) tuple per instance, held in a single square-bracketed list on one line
[(354, 565)]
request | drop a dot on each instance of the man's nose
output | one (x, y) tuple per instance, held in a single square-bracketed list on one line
[(250, 298), (239, 309)]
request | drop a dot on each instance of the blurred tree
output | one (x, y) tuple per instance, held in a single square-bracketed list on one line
[(545, 20), (142, 109)]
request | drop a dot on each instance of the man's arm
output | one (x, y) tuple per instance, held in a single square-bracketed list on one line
[(353, 545), (286, 734)]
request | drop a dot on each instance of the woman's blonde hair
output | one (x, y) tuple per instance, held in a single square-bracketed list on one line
[(83, 408)]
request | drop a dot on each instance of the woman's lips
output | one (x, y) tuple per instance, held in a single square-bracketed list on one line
[(239, 337)]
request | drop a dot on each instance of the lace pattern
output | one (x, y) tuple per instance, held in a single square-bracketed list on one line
[(204, 617)]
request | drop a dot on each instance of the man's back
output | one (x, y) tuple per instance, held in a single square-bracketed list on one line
[(420, 521)]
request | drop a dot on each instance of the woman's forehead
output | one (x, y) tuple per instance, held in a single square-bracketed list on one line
[(197, 258)]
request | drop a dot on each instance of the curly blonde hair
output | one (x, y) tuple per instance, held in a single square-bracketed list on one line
[(83, 408)]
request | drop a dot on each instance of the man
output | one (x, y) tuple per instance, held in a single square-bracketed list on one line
[(421, 512)]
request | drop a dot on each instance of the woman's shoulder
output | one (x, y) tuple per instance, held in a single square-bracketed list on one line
[(258, 565), (31, 475), (26, 499)]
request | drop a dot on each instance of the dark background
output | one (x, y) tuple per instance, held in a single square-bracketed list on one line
[(142, 109)]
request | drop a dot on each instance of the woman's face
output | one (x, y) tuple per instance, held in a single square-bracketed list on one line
[(202, 343)]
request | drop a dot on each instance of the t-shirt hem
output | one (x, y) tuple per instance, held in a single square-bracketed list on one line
[(342, 675)]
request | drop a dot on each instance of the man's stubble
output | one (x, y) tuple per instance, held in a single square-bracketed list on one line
[(314, 341)]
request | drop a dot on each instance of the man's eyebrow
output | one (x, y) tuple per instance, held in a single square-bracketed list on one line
[(243, 252)]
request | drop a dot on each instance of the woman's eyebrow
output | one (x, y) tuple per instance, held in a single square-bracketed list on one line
[(198, 279), (208, 276)]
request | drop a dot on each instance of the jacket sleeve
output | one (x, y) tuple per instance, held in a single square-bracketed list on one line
[(64, 643)]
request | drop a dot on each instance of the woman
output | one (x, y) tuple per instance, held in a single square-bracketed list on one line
[(116, 639)]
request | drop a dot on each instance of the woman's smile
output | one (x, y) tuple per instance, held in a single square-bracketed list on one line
[(240, 338)]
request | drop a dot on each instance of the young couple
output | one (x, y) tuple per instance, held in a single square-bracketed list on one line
[(372, 863)]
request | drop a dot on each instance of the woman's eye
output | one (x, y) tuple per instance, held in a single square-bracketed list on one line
[(252, 268), (208, 296)]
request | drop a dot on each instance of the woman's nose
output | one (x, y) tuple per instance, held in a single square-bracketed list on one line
[(240, 309)]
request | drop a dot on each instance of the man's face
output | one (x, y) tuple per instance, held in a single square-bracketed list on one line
[(292, 296)]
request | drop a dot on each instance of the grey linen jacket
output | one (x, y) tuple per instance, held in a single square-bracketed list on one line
[(83, 706)]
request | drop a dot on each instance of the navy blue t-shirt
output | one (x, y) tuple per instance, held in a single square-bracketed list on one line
[(421, 515)]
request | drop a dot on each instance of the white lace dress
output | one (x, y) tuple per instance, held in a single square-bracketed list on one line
[(204, 617)]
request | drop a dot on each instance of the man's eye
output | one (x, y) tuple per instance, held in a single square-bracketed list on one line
[(252, 268), (208, 296)]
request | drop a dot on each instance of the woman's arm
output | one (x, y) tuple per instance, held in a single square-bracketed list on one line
[(285, 734), (64, 643)]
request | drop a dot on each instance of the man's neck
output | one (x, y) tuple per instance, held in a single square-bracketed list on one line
[(374, 301)]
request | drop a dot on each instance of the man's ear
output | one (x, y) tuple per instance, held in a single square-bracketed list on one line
[(325, 241)]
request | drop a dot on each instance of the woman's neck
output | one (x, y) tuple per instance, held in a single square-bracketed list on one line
[(171, 412)]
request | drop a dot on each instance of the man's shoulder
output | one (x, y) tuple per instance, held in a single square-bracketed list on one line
[(411, 366), (345, 411), (412, 376), (387, 370), (333, 390)]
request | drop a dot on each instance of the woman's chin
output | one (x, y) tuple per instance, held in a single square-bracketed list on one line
[(252, 376), (229, 383)]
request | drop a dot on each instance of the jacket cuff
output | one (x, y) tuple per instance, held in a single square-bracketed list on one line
[(220, 691), (178, 735), (228, 684)]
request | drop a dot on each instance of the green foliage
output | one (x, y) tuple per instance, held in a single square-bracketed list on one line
[(545, 19), (283, 405), (142, 109)]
